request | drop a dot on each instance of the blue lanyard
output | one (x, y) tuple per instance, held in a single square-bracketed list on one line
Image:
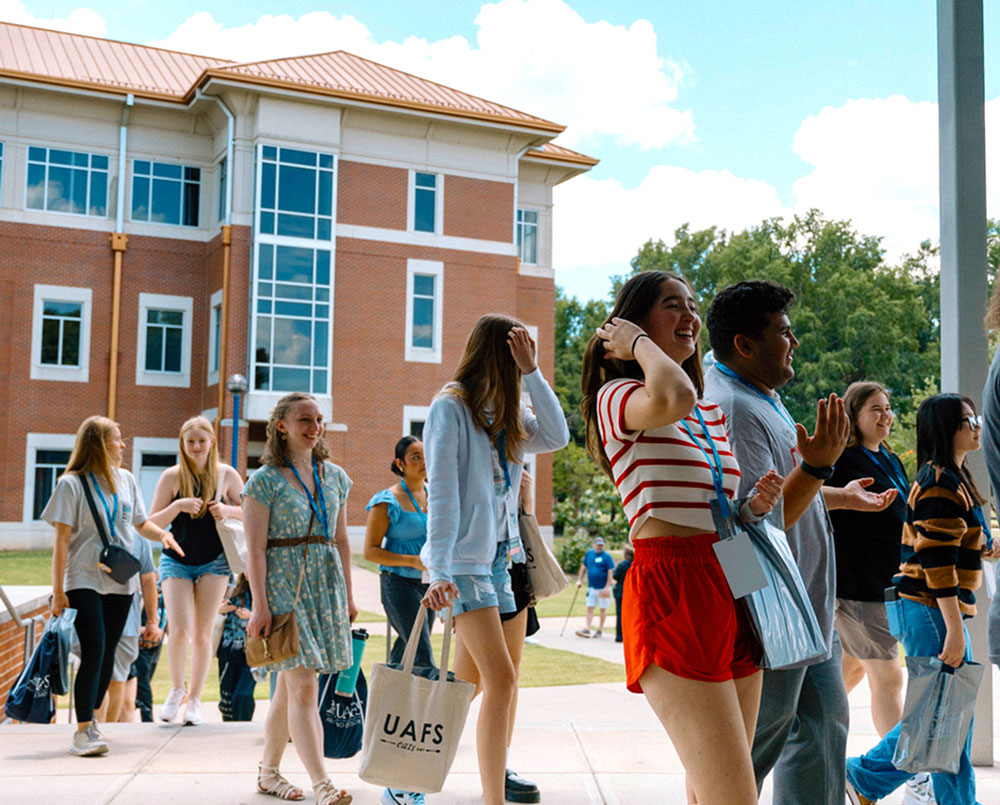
[(501, 446), (414, 502), (112, 517), (891, 470), (777, 405), (716, 466), (320, 515), (984, 525)]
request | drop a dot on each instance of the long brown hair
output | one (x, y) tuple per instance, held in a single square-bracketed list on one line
[(633, 303), (857, 394), (488, 379), (275, 448), (90, 450), (190, 482)]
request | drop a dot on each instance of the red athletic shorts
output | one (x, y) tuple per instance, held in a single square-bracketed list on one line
[(678, 612)]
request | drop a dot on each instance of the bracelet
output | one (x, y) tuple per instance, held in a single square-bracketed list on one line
[(636, 340), (823, 473)]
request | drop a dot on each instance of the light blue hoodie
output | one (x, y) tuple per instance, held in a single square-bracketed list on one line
[(461, 521)]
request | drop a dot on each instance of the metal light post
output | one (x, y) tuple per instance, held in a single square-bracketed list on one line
[(237, 385)]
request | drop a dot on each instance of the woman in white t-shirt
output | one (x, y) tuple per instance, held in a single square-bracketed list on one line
[(101, 604)]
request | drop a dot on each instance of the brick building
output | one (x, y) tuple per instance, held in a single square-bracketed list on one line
[(320, 223)]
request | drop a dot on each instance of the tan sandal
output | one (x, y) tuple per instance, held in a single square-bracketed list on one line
[(328, 794), (270, 781)]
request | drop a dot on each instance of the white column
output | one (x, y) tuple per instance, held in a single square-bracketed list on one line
[(964, 291)]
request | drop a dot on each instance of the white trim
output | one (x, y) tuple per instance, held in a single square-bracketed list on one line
[(522, 225), (151, 444), (260, 403), (434, 268), (411, 203), (158, 160), (215, 301), (61, 293), (410, 238), (39, 441), (151, 301), (536, 271), (414, 413), (389, 162)]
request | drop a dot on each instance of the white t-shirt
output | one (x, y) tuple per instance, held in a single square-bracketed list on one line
[(68, 505)]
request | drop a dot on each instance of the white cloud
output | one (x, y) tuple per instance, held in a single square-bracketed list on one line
[(540, 56), (79, 21)]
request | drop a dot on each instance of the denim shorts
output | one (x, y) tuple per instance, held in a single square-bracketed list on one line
[(480, 592), (170, 568)]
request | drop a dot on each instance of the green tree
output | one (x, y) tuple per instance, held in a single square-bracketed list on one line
[(575, 324)]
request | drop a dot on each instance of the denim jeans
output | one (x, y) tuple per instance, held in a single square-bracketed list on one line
[(802, 733), (872, 774), (401, 601)]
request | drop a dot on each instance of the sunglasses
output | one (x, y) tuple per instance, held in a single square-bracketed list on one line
[(975, 422)]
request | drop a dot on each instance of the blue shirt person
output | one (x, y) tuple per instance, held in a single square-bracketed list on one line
[(599, 567)]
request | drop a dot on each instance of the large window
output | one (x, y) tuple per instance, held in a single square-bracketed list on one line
[(424, 202), (165, 194), (67, 181), (46, 457), (222, 190), (49, 465), (296, 193), (163, 357), (424, 292), (214, 337), (293, 319), (527, 236), (60, 339)]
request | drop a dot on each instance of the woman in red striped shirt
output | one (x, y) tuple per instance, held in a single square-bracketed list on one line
[(688, 646)]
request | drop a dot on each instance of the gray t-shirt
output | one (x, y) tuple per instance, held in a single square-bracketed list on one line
[(144, 553), (762, 440), (68, 505)]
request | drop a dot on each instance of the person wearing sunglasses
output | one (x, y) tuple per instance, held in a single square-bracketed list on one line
[(944, 539)]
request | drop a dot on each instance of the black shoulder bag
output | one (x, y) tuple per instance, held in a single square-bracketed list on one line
[(115, 560)]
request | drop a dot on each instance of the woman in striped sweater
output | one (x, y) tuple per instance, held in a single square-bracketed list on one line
[(944, 540)]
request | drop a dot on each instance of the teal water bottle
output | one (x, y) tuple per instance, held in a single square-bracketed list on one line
[(348, 678)]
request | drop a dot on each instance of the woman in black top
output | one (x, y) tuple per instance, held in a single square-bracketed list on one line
[(868, 551)]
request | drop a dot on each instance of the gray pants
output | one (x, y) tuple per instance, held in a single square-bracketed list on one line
[(802, 733)]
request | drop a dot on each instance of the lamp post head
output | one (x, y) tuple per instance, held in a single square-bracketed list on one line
[(237, 384)]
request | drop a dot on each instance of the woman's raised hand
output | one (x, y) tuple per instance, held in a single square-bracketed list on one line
[(189, 505), (618, 336), (215, 509), (439, 595), (522, 348), (768, 492)]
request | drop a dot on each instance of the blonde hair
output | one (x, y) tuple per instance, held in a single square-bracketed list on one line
[(90, 450), (190, 482), (275, 448), (489, 379)]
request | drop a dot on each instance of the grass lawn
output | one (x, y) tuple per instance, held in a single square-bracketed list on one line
[(25, 567)]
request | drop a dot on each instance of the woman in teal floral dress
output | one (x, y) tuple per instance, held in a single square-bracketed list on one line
[(287, 524)]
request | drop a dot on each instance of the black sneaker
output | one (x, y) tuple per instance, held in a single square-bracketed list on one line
[(517, 789)]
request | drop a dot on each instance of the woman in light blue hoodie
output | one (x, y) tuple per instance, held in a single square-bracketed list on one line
[(475, 438)]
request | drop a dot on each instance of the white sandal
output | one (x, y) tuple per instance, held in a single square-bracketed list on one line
[(328, 794), (270, 781)]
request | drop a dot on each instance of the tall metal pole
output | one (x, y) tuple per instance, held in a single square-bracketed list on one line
[(236, 431), (964, 291)]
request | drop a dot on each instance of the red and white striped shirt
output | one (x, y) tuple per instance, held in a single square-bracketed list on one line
[(661, 472)]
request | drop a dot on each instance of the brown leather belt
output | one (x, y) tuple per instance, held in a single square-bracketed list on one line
[(312, 539)]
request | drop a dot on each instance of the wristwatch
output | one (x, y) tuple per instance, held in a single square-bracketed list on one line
[(823, 473)]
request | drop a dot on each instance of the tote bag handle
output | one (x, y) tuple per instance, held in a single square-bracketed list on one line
[(409, 655)]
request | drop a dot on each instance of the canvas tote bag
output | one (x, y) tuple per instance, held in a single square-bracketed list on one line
[(544, 574), (413, 724), (234, 542)]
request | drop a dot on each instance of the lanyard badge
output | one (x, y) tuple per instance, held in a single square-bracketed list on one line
[(776, 404), (111, 514), (318, 509)]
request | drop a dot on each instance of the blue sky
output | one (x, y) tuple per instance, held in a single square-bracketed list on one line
[(714, 112)]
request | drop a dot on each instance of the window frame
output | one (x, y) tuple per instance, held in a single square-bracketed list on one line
[(521, 226), (183, 181), (90, 171), (61, 293), (184, 304), (411, 211), (34, 443), (214, 335), (414, 413), (433, 268)]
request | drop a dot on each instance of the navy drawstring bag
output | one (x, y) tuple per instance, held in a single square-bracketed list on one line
[(343, 717), (30, 698)]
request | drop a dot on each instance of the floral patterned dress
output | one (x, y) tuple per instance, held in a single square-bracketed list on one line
[(321, 612)]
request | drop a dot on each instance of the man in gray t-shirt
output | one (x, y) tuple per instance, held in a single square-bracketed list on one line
[(802, 725)]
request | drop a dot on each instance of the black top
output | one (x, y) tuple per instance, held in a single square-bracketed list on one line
[(867, 543), (197, 537), (619, 576)]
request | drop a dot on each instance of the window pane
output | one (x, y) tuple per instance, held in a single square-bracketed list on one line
[(166, 171), (423, 211), (322, 270), (267, 184), (158, 459), (270, 152), (294, 264), (262, 378), (290, 380), (154, 349), (265, 260), (323, 229), (263, 339), (191, 204), (319, 382), (60, 157), (530, 245), (298, 157), (322, 294), (52, 308), (292, 342), (50, 341), (293, 291), (54, 458), (141, 166), (297, 190), (172, 356), (326, 160), (59, 189), (296, 226), (166, 202), (423, 323), (35, 197), (36, 154), (319, 347), (423, 284), (45, 480), (265, 289), (98, 194), (325, 192), (417, 429), (192, 174), (426, 180), (263, 306), (71, 343), (98, 161), (267, 223), (292, 309), (140, 198)]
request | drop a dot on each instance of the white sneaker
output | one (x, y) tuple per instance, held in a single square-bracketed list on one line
[(393, 796), (192, 713), (919, 790), (88, 742), (168, 712)]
